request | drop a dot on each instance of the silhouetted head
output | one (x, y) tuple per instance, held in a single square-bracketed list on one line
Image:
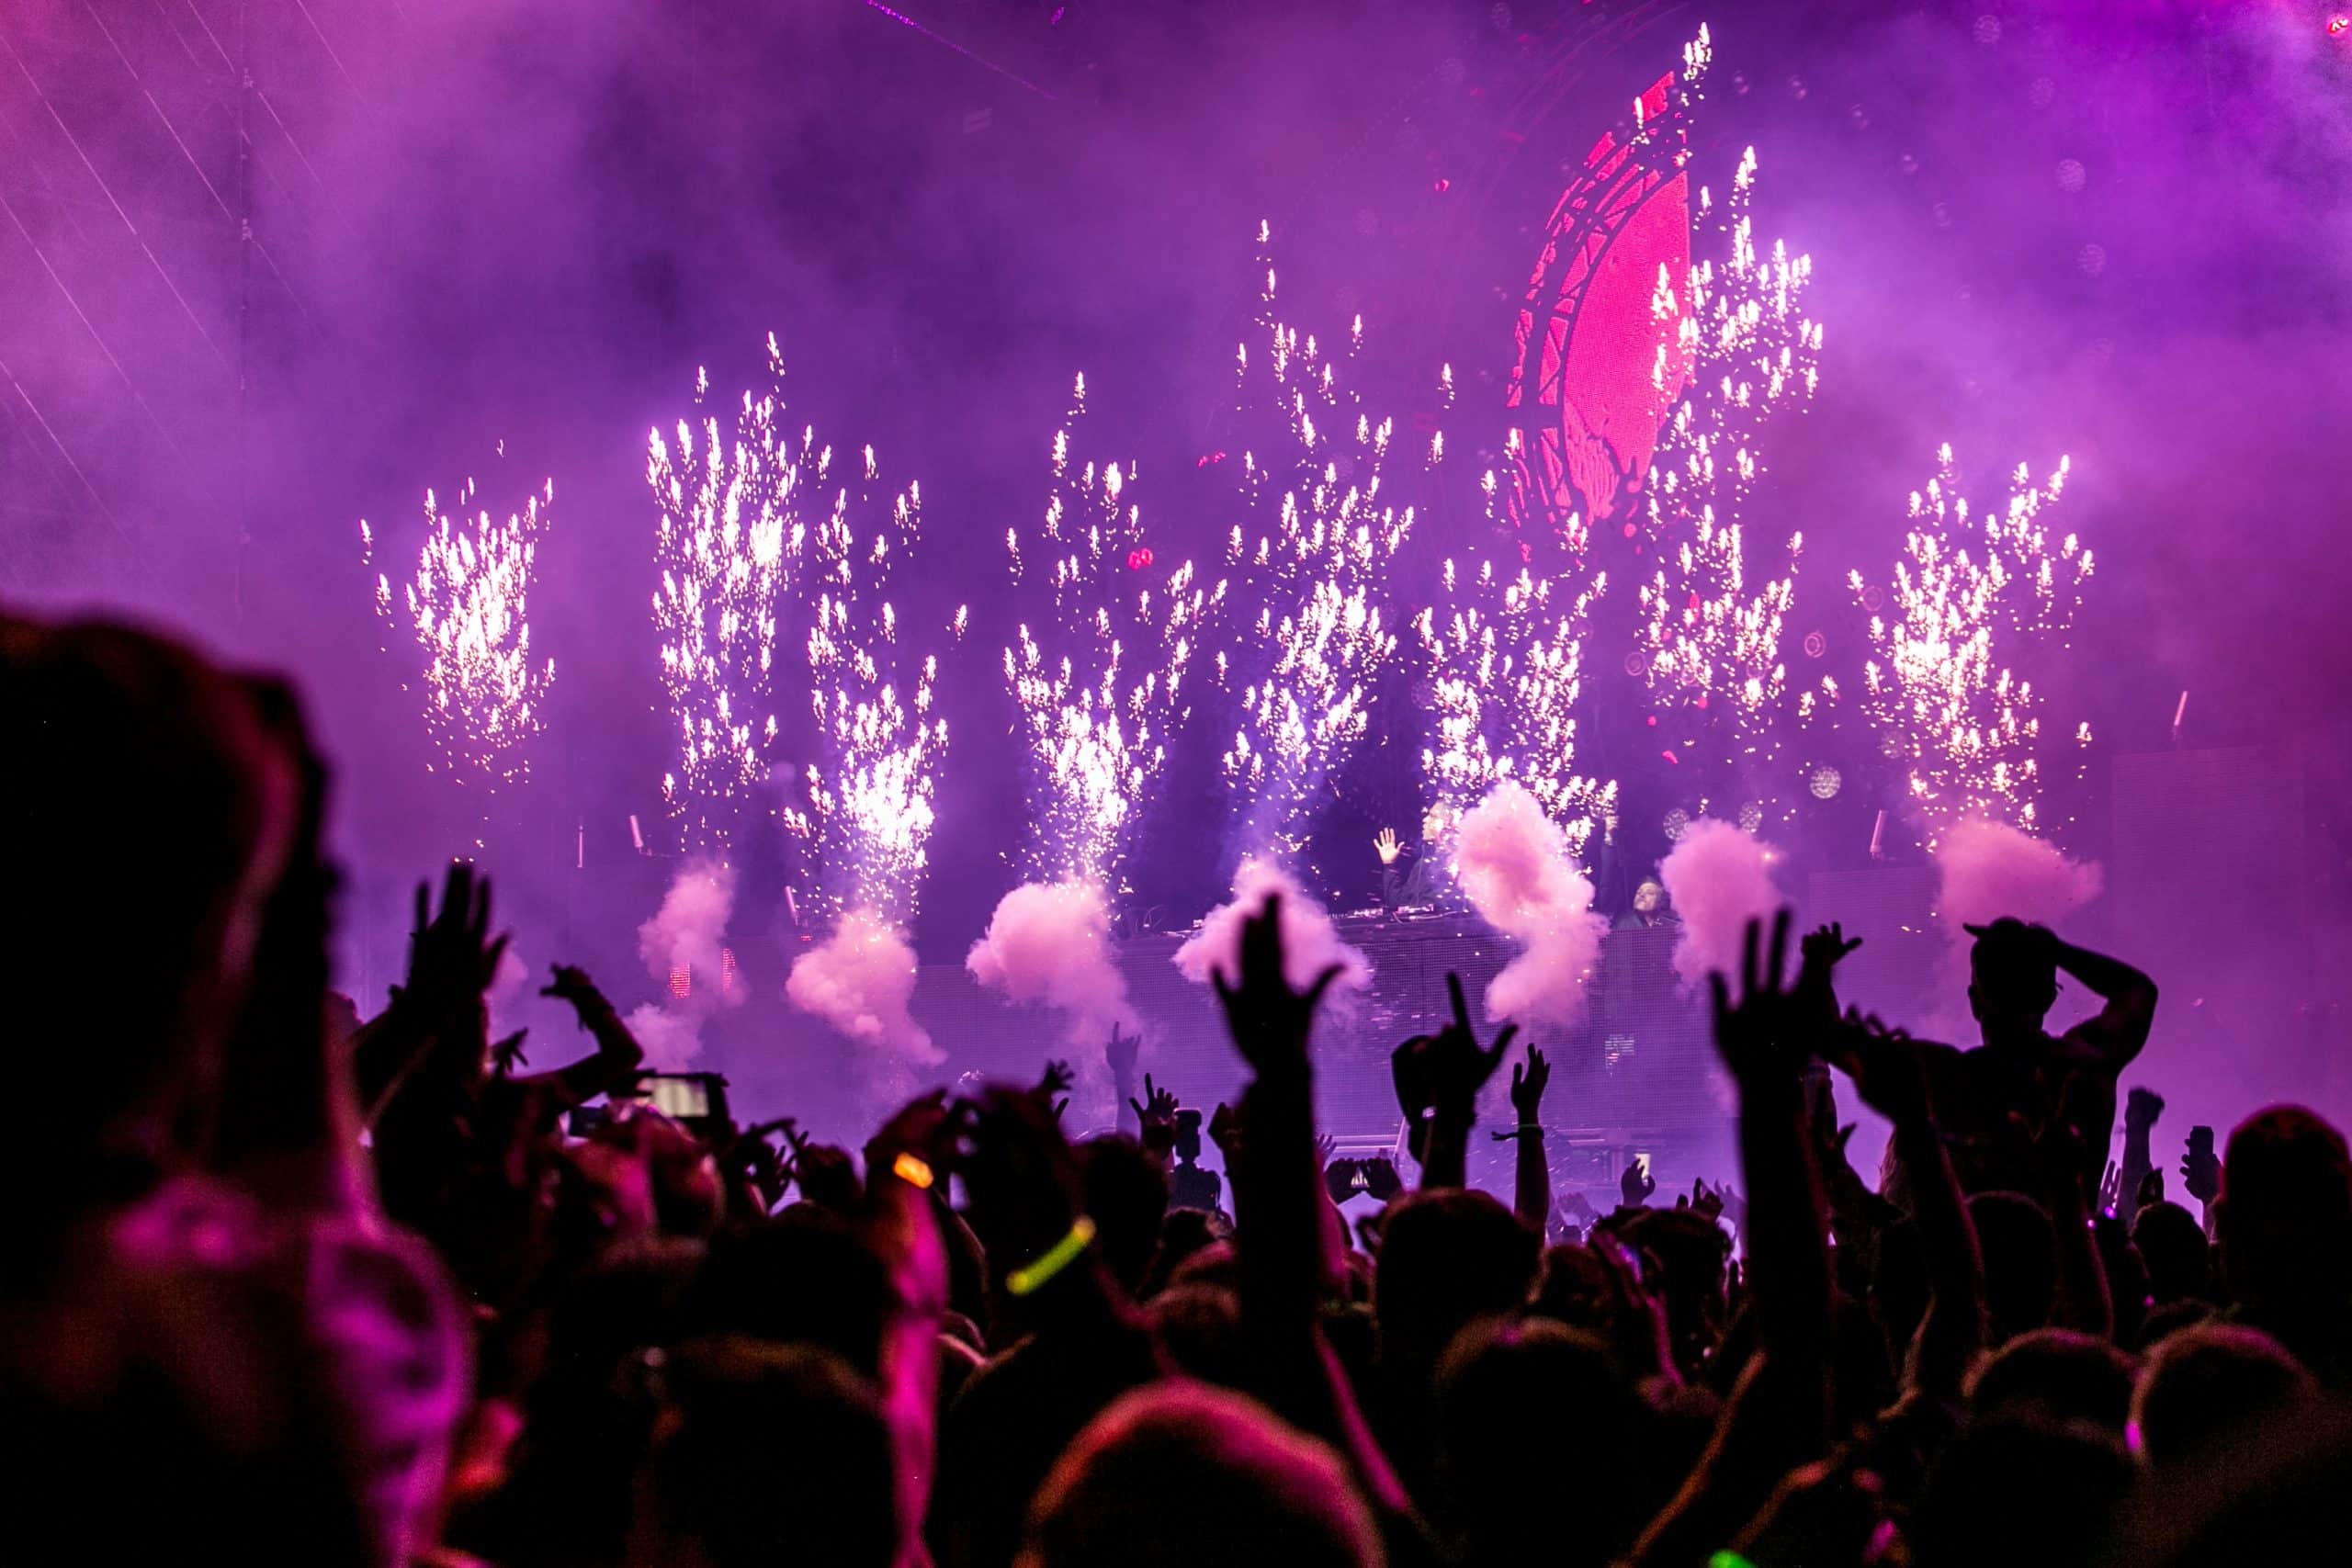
[(2210, 1386), (2173, 1244), (1576, 1288), (2021, 1493), (153, 812), (804, 1277), (1445, 1258), (1177, 1474), (1521, 1402), (1182, 1232), (2285, 1214), (1200, 1327), (1126, 1195), (763, 1453), (2055, 1374), (2012, 980), (1691, 1254)]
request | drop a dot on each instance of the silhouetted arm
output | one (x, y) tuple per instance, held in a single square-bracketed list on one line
[(2120, 1028), (901, 1163), (1891, 1075), (613, 1069), (1531, 1190), (1777, 1417), (1288, 1254), (2141, 1110), (2083, 1302), (1440, 1076)]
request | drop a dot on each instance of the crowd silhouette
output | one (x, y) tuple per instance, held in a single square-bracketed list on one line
[(287, 1285)]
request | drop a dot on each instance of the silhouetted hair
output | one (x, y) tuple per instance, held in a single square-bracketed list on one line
[(1178, 1474), (772, 1452), (2211, 1385)]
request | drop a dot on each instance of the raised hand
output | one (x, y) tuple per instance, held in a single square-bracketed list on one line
[(1380, 1179), (1447, 1069), (2152, 1190), (1758, 1036), (2111, 1185), (1119, 1053), (1824, 948), (1056, 1080), (507, 1054), (2143, 1106), (451, 954), (1269, 1020), (571, 984), (2201, 1168), (1386, 844), (1636, 1185), (1156, 1108), (1527, 1084), (1339, 1179)]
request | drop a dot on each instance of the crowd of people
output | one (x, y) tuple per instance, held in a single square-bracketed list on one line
[(293, 1286)]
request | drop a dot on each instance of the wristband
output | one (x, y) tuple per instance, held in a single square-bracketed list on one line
[(1061, 1255), (912, 1170), (1728, 1559)]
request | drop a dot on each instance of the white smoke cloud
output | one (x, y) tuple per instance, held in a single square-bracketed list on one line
[(1310, 944), (1050, 942), (1719, 877), (860, 980), (689, 929), (672, 1040), (1513, 864), (1988, 869), (507, 981)]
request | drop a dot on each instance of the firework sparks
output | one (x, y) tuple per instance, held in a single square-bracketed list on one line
[(1746, 348), (1963, 724), (1312, 559), (469, 608), (1507, 668), (1710, 625), (1098, 694), (868, 813), (1706, 635), (728, 535)]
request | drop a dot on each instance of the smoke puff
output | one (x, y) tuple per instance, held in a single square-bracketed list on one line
[(691, 927), (860, 980), (671, 1040), (1988, 869), (509, 977), (1719, 877), (1310, 944), (1513, 862), (1050, 942)]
